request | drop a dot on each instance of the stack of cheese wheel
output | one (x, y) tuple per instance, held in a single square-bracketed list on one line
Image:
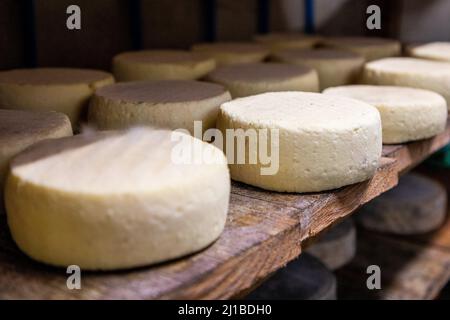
[(161, 65), (335, 67), (337, 246), (439, 51), (279, 41), (232, 52), (369, 47), (407, 114), (315, 142), (115, 200), (303, 279), (417, 205), (254, 78), (20, 129), (410, 72), (51, 89), (173, 104)]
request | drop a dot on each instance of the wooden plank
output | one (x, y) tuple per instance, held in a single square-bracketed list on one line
[(409, 271), (264, 231), (236, 20)]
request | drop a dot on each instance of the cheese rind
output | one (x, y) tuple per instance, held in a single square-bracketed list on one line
[(20, 129), (116, 200), (371, 48), (334, 67), (407, 114), (173, 104), (439, 51), (161, 65), (51, 89), (255, 78), (226, 53), (410, 72), (324, 142)]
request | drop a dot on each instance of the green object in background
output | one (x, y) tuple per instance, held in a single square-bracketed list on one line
[(441, 158)]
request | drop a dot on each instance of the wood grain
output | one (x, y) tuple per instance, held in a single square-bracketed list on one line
[(264, 231)]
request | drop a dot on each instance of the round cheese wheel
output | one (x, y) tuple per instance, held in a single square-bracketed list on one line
[(232, 52), (279, 41), (407, 114), (410, 72), (173, 104), (370, 48), (303, 279), (116, 200), (161, 65), (334, 67), (439, 51), (52, 89), (323, 142), (20, 129), (337, 246), (251, 79), (417, 205)]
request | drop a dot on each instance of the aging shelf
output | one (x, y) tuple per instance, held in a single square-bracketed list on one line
[(264, 231)]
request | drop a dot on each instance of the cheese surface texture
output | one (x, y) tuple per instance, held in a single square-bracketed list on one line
[(334, 67), (255, 78), (51, 89), (20, 129), (324, 142), (439, 51), (116, 200), (225, 53), (161, 65), (371, 48), (173, 104), (278, 41), (410, 72), (407, 114)]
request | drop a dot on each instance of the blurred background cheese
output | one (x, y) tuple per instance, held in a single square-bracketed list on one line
[(20, 129), (173, 104), (325, 142), (370, 48), (337, 246), (406, 113), (225, 53), (250, 79), (334, 67), (51, 89), (161, 65), (116, 200), (439, 51), (417, 205), (410, 72), (277, 41)]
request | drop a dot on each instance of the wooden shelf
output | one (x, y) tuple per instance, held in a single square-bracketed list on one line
[(264, 231)]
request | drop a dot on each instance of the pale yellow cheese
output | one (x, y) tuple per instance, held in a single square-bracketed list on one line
[(249, 79), (410, 72), (51, 89), (439, 51), (407, 114), (324, 142), (334, 67), (225, 53), (173, 104), (116, 200), (371, 48), (161, 65), (20, 129)]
